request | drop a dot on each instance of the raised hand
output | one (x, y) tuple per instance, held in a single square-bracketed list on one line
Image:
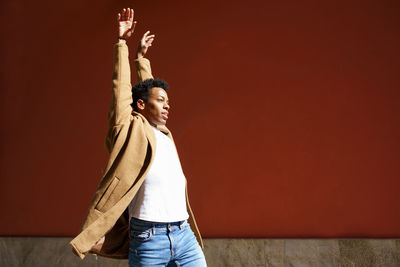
[(144, 44), (126, 25)]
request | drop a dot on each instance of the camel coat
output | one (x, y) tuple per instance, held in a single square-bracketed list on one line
[(131, 143)]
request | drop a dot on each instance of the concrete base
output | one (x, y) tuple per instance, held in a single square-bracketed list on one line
[(31, 251)]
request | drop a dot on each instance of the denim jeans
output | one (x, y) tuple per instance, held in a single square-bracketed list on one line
[(164, 244)]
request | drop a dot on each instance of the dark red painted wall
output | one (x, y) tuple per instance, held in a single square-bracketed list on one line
[(285, 113)]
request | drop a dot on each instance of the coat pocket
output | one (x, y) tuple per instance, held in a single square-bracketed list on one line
[(107, 193)]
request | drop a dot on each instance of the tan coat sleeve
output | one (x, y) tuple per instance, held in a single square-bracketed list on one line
[(120, 109), (143, 69)]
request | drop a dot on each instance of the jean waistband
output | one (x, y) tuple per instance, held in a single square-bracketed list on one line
[(147, 224)]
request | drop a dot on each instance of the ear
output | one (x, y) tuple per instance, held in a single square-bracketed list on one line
[(140, 104)]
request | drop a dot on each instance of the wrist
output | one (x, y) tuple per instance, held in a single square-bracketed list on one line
[(121, 40), (139, 55)]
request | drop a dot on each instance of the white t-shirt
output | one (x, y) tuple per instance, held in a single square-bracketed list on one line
[(162, 196)]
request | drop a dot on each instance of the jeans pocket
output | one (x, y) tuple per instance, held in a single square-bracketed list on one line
[(185, 226), (141, 235)]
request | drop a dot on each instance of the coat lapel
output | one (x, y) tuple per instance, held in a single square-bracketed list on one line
[(149, 132), (165, 130)]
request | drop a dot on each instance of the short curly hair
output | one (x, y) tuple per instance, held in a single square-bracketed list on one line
[(142, 90)]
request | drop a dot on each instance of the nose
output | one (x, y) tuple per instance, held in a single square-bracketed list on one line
[(166, 106)]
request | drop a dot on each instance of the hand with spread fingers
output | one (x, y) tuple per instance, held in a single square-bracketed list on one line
[(144, 44), (126, 25)]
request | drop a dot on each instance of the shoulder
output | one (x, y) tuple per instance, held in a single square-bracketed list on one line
[(140, 123), (138, 118)]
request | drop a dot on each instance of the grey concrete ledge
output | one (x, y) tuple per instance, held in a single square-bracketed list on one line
[(38, 251)]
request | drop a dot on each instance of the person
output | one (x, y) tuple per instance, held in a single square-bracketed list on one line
[(140, 209)]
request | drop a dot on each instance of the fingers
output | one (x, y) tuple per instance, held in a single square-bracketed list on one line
[(146, 36), (133, 27), (149, 38), (120, 16), (148, 42), (124, 14), (127, 14)]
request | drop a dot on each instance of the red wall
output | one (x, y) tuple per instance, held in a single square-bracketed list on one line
[(285, 113)]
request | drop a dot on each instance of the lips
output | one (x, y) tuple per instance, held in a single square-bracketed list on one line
[(165, 115)]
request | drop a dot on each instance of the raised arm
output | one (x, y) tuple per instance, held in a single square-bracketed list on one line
[(120, 107), (143, 69)]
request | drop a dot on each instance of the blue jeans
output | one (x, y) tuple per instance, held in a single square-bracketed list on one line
[(164, 244)]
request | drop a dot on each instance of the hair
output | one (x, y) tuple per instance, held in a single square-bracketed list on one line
[(142, 90)]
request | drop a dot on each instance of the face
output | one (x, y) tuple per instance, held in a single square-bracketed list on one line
[(157, 107)]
